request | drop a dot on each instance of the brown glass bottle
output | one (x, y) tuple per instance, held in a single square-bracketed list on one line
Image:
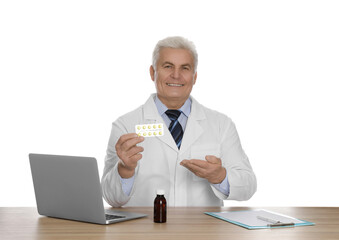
[(160, 207)]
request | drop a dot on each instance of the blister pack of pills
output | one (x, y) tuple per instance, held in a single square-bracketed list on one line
[(150, 130)]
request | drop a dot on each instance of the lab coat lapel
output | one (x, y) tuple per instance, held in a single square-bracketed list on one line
[(151, 114), (193, 128)]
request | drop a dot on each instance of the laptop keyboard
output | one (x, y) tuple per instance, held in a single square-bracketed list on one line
[(110, 217)]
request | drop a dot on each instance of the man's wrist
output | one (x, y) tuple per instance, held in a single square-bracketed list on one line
[(125, 172), (223, 187)]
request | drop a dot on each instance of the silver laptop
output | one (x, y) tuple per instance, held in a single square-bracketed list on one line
[(69, 188)]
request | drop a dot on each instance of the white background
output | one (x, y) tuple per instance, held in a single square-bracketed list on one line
[(68, 69)]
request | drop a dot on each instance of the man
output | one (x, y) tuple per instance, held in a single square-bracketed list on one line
[(198, 160)]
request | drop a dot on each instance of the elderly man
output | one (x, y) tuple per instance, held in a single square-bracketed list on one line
[(197, 159)]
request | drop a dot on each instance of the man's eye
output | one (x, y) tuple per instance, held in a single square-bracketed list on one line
[(167, 66)]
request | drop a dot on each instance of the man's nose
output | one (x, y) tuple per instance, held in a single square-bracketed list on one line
[(175, 73)]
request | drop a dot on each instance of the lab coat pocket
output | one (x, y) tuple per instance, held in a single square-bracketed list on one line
[(201, 151)]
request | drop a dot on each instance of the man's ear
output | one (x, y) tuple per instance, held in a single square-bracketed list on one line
[(195, 77), (152, 72)]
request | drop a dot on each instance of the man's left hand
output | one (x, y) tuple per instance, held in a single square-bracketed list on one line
[(211, 169)]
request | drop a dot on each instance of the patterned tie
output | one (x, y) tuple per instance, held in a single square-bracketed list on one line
[(175, 127)]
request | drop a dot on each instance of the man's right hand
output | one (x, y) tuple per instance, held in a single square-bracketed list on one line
[(129, 154)]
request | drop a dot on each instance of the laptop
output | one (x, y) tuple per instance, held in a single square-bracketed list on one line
[(69, 187)]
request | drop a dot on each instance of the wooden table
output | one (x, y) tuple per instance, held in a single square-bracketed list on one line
[(187, 223)]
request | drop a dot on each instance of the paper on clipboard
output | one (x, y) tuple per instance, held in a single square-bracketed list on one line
[(249, 219)]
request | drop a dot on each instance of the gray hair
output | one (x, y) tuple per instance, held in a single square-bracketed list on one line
[(177, 43)]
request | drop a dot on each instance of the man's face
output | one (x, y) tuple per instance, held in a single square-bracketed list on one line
[(174, 76)]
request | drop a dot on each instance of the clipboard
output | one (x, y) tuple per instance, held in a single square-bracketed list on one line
[(259, 219)]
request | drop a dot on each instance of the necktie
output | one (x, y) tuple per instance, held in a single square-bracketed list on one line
[(175, 127)]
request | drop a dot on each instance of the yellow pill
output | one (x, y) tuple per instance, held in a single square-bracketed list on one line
[(155, 133), (149, 134), (139, 134), (144, 134), (154, 126), (159, 126), (144, 127), (160, 133), (138, 127)]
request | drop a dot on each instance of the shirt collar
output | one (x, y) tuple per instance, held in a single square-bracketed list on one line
[(185, 109)]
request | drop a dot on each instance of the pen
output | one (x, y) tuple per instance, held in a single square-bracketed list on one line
[(268, 220)]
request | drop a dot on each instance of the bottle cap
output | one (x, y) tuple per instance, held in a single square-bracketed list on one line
[(160, 192)]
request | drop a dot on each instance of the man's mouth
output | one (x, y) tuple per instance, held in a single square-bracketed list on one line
[(174, 85)]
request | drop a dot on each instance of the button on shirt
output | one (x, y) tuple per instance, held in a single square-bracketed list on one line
[(127, 183)]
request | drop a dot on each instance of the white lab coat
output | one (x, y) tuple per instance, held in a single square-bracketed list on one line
[(207, 133)]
